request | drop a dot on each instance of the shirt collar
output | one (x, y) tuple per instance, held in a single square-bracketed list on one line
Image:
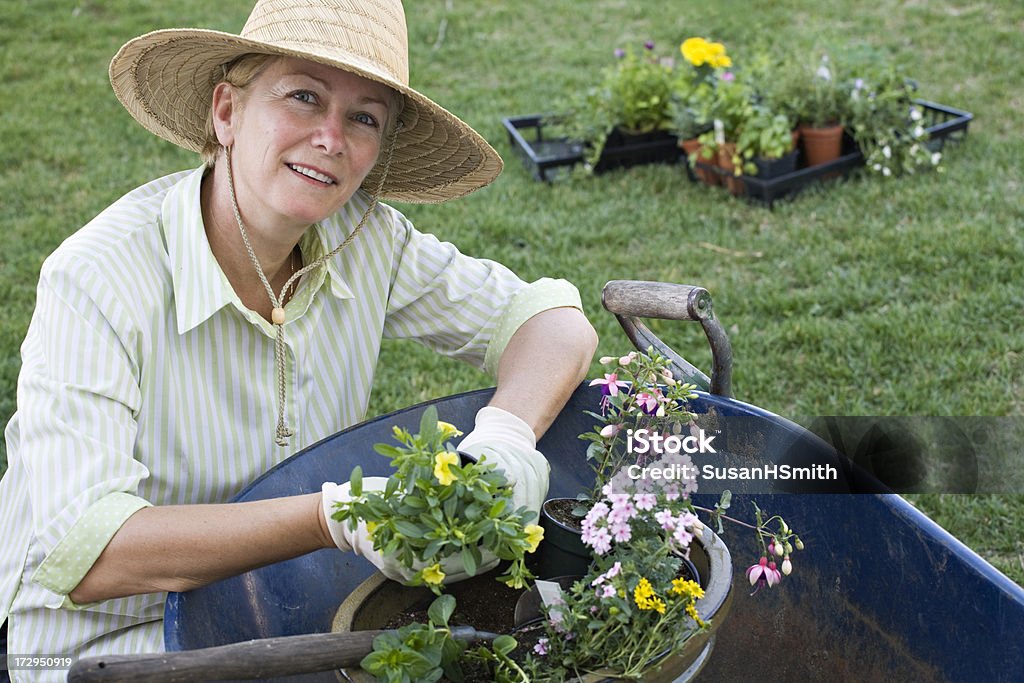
[(200, 286)]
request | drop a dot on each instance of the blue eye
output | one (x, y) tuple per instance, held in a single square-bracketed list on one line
[(304, 96), (366, 119)]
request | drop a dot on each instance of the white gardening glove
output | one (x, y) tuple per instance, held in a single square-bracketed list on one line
[(506, 441), (358, 540)]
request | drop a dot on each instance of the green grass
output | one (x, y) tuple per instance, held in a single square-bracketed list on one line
[(866, 297)]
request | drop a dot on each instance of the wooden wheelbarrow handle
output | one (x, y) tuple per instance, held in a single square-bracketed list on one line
[(631, 299), (254, 659)]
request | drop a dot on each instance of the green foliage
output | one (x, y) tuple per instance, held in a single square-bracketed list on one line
[(434, 507), (420, 652), (634, 95)]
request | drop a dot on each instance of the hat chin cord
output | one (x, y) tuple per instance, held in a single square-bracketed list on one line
[(277, 315)]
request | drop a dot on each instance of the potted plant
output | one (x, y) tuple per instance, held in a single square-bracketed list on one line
[(640, 532), (438, 508), (694, 86), (819, 101), (629, 105), (729, 107), (766, 144), (887, 124), (655, 568)]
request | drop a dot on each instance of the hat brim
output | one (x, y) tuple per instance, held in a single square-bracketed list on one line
[(165, 80)]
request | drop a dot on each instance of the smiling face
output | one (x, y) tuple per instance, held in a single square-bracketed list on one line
[(303, 136)]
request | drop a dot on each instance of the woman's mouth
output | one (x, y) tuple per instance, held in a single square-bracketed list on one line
[(312, 174)]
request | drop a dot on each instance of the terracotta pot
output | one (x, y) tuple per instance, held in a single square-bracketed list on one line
[(693, 147), (821, 145), (729, 178)]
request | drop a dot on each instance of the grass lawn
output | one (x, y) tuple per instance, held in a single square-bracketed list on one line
[(866, 297)]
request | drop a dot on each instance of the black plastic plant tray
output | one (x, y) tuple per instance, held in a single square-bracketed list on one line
[(547, 158), (943, 124)]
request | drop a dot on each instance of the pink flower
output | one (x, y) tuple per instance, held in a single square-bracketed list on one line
[(608, 431), (764, 572), (609, 385), (666, 519), (621, 512), (598, 539), (682, 536), (755, 572), (647, 402), (614, 571), (773, 576), (687, 519), (728, 77), (621, 532), (541, 647), (645, 501), (606, 592)]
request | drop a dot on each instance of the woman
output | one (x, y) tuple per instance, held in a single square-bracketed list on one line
[(213, 322)]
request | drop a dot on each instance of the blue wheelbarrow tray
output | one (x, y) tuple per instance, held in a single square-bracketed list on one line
[(880, 594)]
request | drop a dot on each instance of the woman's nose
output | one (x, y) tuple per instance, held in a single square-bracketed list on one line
[(330, 135)]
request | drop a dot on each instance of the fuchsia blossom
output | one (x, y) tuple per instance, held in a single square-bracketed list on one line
[(764, 572), (609, 385), (608, 431), (648, 402)]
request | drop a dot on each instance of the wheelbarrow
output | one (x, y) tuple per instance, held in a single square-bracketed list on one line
[(881, 594)]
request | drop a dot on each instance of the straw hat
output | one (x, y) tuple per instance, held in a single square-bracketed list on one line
[(165, 79)]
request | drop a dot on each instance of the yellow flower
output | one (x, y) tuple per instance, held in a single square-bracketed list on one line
[(515, 582), (698, 51), (448, 431), (433, 575), (534, 535), (691, 609), (370, 528), (686, 587), (442, 461), (644, 597), (695, 50)]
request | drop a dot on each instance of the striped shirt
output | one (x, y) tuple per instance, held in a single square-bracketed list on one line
[(145, 381)]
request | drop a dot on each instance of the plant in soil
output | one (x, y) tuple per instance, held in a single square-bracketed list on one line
[(636, 605), (435, 510), (427, 652)]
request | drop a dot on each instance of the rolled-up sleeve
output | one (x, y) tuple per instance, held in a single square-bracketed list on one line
[(460, 306), (78, 396)]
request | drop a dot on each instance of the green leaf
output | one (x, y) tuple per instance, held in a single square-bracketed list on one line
[(391, 487), (469, 560), (504, 644), (407, 528), (356, 481), (428, 425), (440, 611), (497, 508)]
